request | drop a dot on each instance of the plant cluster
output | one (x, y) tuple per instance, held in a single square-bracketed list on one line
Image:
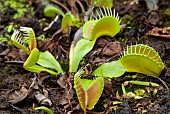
[(136, 58)]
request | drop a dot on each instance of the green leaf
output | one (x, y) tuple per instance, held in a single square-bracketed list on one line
[(30, 35), (66, 22), (32, 58), (87, 28), (22, 40), (45, 109), (143, 83), (88, 91), (17, 41), (47, 60), (82, 47), (142, 59), (110, 70), (105, 26), (37, 69), (105, 23), (52, 11), (30, 63), (20, 46)]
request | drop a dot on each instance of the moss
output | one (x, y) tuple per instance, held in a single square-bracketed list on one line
[(126, 19), (167, 11), (165, 17)]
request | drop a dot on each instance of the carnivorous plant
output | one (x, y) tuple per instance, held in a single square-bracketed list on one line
[(26, 36), (105, 23)]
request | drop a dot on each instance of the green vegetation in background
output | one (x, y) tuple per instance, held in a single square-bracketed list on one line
[(15, 9)]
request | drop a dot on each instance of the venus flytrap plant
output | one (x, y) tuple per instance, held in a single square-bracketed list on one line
[(88, 91), (143, 59), (68, 18), (40, 61), (136, 55), (19, 41), (30, 36), (66, 22), (52, 11), (105, 23), (108, 24), (26, 36), (137, 58)]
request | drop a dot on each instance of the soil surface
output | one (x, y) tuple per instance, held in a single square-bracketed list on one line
[(143, 22)]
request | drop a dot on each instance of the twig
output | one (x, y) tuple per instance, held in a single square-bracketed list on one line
[(14, 62), (81, 6), (57, 32)]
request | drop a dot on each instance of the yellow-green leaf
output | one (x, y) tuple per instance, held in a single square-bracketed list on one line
[(143, 59), (88, 91), (32, 59)]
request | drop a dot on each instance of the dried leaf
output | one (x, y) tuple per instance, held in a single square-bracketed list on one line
[(160, 32), (18, 95), (43, 100), (112, 49)]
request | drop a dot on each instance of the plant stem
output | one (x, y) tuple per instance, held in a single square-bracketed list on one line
[(123, 89)]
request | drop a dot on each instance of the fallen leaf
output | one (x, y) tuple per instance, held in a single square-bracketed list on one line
[(18, 95), (160, 32), (62, 80), (42, 99), (112, 49)]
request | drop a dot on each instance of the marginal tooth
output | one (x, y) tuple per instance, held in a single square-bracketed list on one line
[(158, 59), (126, 49), (114, 13), (140, 49), (120, 56), (124, 52), (14, 34), (117, 16), (131, 51), (155, 56), (105, 11), (77, 78), (98, 14), (16, 38), (95, 17), (111, 14), (149, 51), (101, 12), (135, 49), (144, 49), (80, 93), (120, 20), (78, 85)]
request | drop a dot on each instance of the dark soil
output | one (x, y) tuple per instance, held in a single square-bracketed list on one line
[(141, 24)]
